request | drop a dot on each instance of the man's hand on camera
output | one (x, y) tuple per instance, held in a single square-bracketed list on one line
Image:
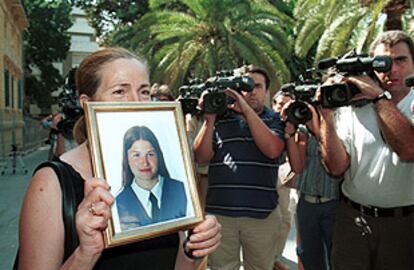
[(283, 115), (326, 113), (240, 105), (369, 89), (314, 124), (209, 117), (55, 120)]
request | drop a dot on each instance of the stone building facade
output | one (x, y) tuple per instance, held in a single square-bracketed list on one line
[(13, 21)]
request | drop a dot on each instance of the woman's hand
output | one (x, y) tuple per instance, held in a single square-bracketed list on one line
[(92, 216), (205, 237)]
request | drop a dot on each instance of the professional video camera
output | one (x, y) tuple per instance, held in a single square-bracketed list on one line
[(302, 91), (69, 106), (216, 100), (189, 95), (340, 94)]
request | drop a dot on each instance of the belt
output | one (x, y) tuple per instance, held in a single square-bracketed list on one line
[(315, 199), (378, 211)]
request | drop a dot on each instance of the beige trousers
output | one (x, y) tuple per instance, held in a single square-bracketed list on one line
[(255, 237), (285, 218)]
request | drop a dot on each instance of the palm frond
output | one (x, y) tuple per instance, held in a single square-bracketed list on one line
[(335, 39)]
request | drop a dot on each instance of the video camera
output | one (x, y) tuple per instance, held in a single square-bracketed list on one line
[(189, 95), (340, 94), (303, 91), (216, 100), (69, 106)]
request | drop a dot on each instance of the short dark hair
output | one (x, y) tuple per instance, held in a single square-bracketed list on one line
[(161, 90), (281, 93), (259, 70), (391, 38)]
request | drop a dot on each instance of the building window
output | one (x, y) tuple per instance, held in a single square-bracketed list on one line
[(6, 89), (12, 91), (20, 94)]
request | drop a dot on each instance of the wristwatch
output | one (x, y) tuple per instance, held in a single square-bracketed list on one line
[(384, 95)]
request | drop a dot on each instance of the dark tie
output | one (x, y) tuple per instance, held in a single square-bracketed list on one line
[(154, 206)]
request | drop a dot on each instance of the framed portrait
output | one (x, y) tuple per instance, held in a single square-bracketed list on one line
[(142, 150)]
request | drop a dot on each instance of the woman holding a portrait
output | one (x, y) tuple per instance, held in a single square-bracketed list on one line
[(149, 194), (110, 74)]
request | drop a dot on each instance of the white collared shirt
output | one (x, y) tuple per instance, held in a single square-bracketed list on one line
[(143, 194), (377, 176)]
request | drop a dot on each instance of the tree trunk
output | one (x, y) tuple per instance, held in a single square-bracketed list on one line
[(394, 11)]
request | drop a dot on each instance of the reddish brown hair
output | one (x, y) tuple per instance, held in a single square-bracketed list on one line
[(88, 78)]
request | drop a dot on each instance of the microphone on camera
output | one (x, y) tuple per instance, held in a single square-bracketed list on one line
[(409, 81)]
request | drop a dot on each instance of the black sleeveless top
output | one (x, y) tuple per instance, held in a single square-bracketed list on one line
[(156, 254)]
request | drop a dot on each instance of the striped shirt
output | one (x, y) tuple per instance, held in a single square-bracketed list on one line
[(242, 180), (314, 180)]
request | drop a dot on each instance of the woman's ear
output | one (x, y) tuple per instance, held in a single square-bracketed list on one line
[(83, 98)]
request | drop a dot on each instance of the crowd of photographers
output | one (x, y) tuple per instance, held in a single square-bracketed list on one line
[(343, 134)]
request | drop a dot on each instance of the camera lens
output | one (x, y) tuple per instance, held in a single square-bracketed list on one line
[(298, 113), (338, 95), (335, 95), (217, 101)]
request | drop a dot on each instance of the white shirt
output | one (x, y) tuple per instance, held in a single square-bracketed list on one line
[(143, 194), (376, 175)]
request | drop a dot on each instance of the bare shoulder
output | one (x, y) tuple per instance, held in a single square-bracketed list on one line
[(42, 198), (44, 181), (41, 225)]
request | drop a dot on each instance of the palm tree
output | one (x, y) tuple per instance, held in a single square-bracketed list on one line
[(211, 35), (333, 27), (336, 26)]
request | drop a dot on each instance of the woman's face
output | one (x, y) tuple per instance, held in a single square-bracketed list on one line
[(123, 80), (143, 160)]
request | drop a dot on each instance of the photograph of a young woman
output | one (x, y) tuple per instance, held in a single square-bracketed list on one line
[(149, 195)]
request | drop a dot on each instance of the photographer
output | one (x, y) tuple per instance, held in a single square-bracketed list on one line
[(285, 209), (318, 192), (242, 148), (61, 124), (59, 143), (372, 146)]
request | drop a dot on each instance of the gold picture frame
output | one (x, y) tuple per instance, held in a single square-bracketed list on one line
[(107, 125)]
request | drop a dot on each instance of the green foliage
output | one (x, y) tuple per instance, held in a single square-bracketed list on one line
[(210, 35), (336, 26), (195, 38), (46, 41), (408, 22), (106, 15)]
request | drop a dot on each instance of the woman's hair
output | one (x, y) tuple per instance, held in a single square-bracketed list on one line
[(132, 135), (88, 77)]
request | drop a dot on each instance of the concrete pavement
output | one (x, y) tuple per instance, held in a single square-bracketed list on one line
[(12, 189)]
